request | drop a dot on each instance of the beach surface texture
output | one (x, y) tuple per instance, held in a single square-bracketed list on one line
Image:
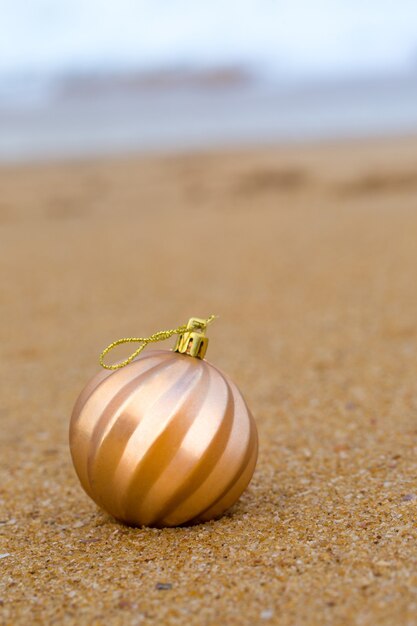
[(309, 256)]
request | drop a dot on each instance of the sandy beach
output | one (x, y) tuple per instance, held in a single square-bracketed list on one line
[(309, 256)]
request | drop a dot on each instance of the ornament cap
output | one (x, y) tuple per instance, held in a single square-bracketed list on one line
[(193, 340)]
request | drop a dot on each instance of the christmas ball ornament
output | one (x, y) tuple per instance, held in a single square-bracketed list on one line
[(163, 438)]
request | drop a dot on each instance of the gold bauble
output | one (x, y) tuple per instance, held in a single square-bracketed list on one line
[(164, 441)]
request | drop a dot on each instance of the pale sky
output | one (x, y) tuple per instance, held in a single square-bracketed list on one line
[(300, 37)]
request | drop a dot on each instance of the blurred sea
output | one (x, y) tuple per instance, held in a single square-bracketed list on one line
[(85, 77), (110, 118)]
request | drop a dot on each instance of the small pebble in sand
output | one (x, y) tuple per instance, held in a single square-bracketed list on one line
[(126, 604), (163, 586), (351, 406), (267, 614), (3, 556)]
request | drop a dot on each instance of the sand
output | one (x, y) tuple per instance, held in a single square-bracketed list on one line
[(309, 256)]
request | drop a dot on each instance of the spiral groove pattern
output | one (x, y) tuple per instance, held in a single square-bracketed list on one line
[(163, 441)]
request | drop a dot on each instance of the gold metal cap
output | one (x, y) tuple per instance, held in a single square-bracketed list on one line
[(193, 340)]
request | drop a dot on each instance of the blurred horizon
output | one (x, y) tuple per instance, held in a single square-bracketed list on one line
[(60, 63)]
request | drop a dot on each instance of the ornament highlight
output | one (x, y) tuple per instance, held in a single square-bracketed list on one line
[(165, 438)]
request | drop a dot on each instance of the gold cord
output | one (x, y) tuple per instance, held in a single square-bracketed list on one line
[(143, 341)]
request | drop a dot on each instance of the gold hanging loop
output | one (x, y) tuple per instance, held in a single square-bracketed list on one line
[(191, 341)]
